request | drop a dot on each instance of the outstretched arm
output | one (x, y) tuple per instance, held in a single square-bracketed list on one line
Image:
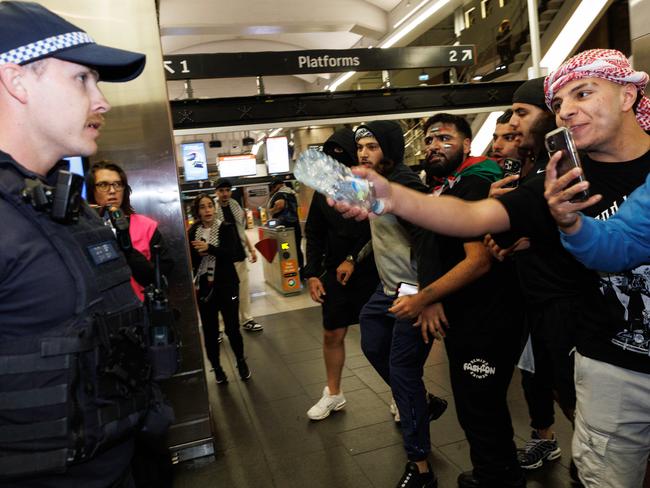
[(444, 215)]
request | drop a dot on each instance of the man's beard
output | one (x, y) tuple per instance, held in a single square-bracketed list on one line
[(444, 165), (544, 124)]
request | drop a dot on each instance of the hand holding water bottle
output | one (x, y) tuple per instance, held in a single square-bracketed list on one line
[(352, 192)]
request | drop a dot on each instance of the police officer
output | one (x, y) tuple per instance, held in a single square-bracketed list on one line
[(74, 381)]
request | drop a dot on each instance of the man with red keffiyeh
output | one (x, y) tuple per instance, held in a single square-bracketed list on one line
[(600, 97)]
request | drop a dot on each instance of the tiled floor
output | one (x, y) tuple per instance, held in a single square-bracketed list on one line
[(263, 437)]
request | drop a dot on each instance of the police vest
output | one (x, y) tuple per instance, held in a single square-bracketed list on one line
[(92, 371)]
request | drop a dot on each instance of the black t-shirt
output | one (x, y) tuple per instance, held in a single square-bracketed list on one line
[(546, 270), (239, 253), (493, 298), (608, 331)]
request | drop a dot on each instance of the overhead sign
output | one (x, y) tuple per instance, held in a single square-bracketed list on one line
[(232, 65)]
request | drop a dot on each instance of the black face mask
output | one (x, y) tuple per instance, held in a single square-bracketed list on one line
[(340, 155)]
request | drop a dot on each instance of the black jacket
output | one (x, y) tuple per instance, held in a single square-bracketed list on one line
[(225, 274)]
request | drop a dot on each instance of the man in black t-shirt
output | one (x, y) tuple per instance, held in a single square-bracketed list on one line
[(550, 303), (480, 305), (595, 94), (598, 102)]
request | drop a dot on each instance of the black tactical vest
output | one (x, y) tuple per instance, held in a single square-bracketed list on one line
[(85, 386)]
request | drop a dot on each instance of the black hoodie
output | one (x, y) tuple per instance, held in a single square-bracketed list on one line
[(330, 236), (343, 138), (390, 138), (424, 249)]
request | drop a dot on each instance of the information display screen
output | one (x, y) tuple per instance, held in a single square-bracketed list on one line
[(195, 162), (277, 155), (240, 165)]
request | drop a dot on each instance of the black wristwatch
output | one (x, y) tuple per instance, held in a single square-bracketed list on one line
[(349, 258)]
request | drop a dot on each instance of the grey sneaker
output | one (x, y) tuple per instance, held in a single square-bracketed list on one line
[(537, 450), (252, 326)]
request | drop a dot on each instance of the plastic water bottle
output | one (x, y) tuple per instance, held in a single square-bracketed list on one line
[(335, 180)]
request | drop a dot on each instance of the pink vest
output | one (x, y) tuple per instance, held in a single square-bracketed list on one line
[(141, 230)]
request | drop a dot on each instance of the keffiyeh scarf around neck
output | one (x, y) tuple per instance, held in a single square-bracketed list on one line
[(208, 262)]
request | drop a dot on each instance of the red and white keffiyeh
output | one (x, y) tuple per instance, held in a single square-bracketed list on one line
[(607, 64)]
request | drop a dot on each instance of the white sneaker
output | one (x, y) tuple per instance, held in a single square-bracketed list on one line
[(394, 411), (326, 405)]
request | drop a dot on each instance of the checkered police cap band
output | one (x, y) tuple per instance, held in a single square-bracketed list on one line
[(44, 47), (30, 32)]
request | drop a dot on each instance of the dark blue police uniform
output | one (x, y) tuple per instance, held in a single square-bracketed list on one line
[(74, 379)]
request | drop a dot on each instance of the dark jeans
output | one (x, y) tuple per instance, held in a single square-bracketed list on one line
[(225, 300), (482, 356), (397, 352)]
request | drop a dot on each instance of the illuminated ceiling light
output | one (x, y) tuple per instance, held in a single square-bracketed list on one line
[(478, 78), (424, 76), (572, 32), (341, 79), (396, 36), (408, 15), (484, 135)]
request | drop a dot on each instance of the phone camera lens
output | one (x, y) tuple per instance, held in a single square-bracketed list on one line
[(551, 144)]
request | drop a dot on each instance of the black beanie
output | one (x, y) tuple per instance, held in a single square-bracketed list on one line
[(531, 92)]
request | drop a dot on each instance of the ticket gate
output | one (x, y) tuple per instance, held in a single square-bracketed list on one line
[(277, 245)]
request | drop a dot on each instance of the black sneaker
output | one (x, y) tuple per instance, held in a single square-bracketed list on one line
[(242, 367), (220, 375), (468, 480), (437, 406), (537, 451), (413, 479), (252, 326)]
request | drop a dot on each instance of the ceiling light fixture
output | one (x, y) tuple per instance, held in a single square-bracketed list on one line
[(408, 15), (396, 36), (342, 79)]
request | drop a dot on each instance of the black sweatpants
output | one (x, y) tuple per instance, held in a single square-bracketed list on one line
[(224, 299), (552, 329), (482, 358)]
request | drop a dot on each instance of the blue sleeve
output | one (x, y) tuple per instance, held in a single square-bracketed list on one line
[(620, 243)]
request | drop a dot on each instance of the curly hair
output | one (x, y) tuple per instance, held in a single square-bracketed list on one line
[(90, 184)]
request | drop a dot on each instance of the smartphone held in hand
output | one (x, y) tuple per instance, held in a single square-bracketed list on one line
[(511, 167), (560, 140)]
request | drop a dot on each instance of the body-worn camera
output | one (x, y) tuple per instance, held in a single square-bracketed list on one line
[(62, 201)]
